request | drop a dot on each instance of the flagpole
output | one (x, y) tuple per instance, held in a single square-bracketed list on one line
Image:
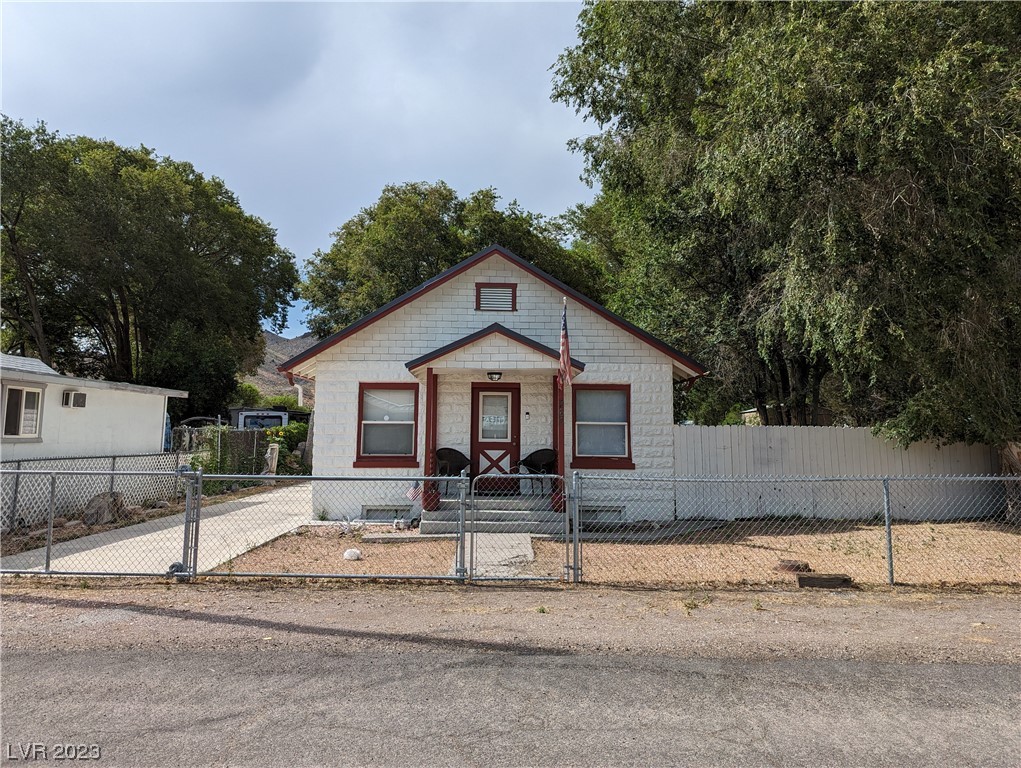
[(563, 379)]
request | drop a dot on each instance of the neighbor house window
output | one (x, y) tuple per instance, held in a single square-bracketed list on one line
[(602, 426), (496, 297), (387, 417), (22, 408)]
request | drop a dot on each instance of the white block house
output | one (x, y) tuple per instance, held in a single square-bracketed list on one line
[(469, 359), (49, 415)]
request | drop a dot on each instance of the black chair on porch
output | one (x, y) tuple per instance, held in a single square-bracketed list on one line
[(541, 462), (450, 462)]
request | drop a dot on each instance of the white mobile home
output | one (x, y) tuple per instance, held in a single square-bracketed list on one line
[(48, 415)]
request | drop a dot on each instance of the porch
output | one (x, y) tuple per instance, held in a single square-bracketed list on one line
[(492, 398)]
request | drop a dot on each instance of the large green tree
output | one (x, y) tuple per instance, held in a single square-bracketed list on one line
[(417, 230), (121, 264), (820, 200)]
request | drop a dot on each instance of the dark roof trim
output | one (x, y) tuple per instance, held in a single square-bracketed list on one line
[(489, 330), (457, 269)]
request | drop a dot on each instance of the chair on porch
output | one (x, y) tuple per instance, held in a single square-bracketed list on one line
[(450, 462), (541, 462)]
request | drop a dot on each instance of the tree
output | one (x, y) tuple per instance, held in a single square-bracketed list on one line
[(121, 264), (818, 199), (414, 232)]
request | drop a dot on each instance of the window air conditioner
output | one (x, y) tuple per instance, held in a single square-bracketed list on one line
[(73, 399)]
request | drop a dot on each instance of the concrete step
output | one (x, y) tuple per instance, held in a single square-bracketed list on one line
[(535, 527), (492, 515), (500, 502)]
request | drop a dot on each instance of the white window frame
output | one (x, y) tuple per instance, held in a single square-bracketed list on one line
[(21, 414)]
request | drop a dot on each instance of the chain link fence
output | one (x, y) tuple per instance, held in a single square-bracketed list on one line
[(924, 530), (25, 485), (608, 529)]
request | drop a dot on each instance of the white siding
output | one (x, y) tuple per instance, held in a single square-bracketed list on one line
[(113, 422)]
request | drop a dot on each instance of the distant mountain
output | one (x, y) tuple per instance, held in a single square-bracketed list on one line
[(279, 350)]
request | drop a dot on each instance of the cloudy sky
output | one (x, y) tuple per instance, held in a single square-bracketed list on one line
[(307, 110)]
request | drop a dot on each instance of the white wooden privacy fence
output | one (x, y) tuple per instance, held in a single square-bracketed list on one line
[(784, 453), (818, 452)]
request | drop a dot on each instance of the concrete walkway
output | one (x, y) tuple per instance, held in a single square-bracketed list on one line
[(226, 530), (500, 555)]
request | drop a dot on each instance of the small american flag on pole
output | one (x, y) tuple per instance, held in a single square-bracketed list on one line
[(414, 492), (565, 351)]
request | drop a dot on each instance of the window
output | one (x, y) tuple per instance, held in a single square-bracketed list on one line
[(387, 419), (496, 297), (602, 426), (261, 421), (21, 412)]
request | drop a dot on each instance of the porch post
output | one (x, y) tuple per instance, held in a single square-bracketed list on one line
[(558, 441), (430, 491)]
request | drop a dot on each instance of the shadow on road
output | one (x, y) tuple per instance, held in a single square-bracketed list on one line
[(303, 629)]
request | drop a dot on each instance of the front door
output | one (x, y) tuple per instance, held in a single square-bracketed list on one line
[(496, 434)]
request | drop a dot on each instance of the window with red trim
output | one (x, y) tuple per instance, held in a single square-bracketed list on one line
[(496, 297), (387, 425), (602, 426)]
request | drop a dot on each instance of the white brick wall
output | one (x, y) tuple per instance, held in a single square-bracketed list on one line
[(446, 314)]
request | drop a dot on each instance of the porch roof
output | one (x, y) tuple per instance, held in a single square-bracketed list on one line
[(500, 347)]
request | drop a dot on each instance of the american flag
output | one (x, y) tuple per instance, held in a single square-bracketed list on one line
[(565, 351), (414, 492)]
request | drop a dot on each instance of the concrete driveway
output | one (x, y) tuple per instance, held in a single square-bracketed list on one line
[(226, 530)]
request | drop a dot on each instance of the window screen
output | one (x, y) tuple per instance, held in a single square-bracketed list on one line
[(601, 422), (388, 422)]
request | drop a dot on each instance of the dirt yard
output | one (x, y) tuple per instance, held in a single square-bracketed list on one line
[(748, 552), (320, 549), (739, 553)]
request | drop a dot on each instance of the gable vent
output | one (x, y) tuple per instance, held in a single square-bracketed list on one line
[(72, 399), (494, 297)]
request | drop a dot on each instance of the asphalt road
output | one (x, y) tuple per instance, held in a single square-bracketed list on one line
[(330, 690)]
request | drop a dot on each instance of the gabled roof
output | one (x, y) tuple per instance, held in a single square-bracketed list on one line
[(695, 368), (489, 330)]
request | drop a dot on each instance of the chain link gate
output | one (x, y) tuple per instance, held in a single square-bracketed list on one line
[(518, 528)]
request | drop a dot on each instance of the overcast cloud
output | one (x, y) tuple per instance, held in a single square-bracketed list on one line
[(307, 110)]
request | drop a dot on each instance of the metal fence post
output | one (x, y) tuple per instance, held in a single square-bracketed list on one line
[(188, 498), (49, 526), (889, 529), (195, 524), (576, 526), (113, 468), (462, 489), (460, 569)]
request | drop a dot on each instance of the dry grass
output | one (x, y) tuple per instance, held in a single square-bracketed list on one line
[(320, 549)]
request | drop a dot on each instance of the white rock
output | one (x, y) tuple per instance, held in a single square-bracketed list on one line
[(352, 554)]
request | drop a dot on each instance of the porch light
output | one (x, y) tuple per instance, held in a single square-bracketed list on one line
[(494, 375)]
